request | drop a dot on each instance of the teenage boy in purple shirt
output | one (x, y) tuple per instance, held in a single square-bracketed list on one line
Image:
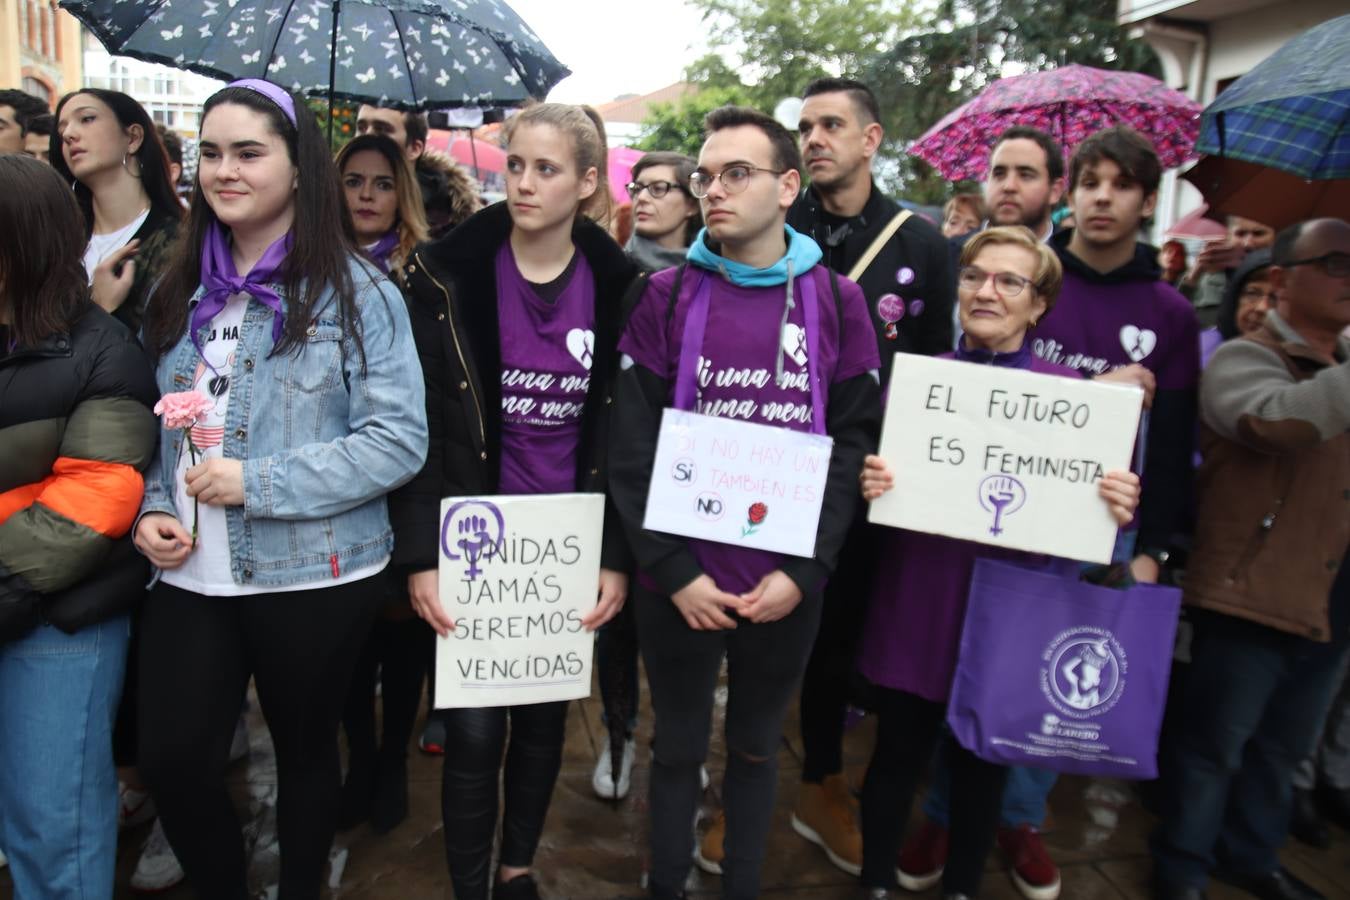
[(696, 601), (1115, 311)]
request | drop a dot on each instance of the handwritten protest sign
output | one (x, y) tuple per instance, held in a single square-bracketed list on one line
[(738, 483), (1004, 456), (517, 574)]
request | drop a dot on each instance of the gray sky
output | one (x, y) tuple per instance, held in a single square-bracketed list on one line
[(615, 47)]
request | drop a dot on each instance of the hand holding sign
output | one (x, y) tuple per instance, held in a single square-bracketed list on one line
[(702, 602)]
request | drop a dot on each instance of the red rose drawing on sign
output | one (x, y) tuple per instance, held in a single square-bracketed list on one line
[(754, 517)]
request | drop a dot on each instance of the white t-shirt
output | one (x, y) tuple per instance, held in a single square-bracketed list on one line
[(101, 246), (207, 568)]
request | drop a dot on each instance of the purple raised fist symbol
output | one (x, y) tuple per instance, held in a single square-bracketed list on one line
[(1001, 495), (474, 528)]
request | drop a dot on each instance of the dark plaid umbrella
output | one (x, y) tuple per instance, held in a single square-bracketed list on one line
[(1291, 111), (409, 54)]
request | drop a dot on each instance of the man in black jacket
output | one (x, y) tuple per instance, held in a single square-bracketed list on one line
[(901, 263)]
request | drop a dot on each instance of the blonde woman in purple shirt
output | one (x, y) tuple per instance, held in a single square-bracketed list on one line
[(532, 286)]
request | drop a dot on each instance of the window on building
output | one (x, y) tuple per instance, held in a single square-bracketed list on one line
[(31, 85)]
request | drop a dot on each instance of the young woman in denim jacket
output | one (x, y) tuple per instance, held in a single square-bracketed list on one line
[(269, 528)]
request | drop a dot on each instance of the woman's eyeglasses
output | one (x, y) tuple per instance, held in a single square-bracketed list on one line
[(657, 189), (1007, 284)]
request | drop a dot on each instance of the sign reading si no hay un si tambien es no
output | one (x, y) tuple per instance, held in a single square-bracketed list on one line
[(738, 483), (517, 575), (1004, 456)]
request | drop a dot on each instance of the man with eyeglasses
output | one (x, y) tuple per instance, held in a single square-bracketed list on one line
[(902, 264), (1268, 578), (753, 329)]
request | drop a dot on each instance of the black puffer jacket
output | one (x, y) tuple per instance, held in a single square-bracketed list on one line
[(452, 302), (76, 432)]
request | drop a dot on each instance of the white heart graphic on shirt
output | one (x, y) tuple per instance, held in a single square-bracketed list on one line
[(1138, 342), (581, 344), (794, 343)]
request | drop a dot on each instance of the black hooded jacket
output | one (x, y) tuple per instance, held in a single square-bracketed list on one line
[(452, 303), (1168, 473)]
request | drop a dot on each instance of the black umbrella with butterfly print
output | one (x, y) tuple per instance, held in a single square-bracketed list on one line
[(406, 54)]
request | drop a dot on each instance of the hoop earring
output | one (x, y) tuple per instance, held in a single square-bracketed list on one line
[(128, 168)]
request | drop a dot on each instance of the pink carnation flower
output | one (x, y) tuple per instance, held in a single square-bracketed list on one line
[(182, 409)]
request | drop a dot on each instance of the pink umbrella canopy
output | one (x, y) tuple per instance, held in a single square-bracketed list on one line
[(1069, 103), (1197, 225), (621, 160)]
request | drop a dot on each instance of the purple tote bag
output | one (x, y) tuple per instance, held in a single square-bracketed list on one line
[(1059, 674)]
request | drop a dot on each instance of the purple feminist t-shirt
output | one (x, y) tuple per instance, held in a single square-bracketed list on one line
[(546, 370), (737, 370), (1095, 328)]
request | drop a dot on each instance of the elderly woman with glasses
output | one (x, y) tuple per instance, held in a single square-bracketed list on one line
[(1008, 281)]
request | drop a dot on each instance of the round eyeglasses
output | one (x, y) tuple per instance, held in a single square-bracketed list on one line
[(1007, 284), (734, 179)]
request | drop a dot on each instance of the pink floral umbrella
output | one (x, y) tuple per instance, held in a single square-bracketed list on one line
[(1069, 103)]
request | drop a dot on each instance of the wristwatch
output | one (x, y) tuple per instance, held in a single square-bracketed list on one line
[(1157, 554)]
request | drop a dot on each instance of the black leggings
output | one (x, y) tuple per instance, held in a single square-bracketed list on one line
[(764, 667), (196, 656), (908, 728), (474, 741)]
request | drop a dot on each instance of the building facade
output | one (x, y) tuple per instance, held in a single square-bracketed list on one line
[(39, 48), (1205, 45), (172, 97)]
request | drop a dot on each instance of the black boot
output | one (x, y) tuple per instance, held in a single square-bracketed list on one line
[(1306, 823), (522, 887), (1277, 885)]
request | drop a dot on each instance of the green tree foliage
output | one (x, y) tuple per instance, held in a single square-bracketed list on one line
[(923, 59), (964, 46), (678, 126)]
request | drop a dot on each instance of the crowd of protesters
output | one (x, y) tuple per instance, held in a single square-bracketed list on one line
[(345, 329)]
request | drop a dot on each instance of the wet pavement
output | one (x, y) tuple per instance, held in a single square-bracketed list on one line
[(596, 849)]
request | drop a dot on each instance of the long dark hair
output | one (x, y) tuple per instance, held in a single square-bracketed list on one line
[(151, 158), (42, 279), (412, 215), (322, 238)]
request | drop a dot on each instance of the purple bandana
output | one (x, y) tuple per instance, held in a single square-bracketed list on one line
[(220, 281), (379, 254)]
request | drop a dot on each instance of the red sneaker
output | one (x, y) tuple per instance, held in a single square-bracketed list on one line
[(1034, 873), (923, 857)]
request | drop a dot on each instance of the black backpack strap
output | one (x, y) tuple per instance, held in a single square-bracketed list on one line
[(630, 299), (838, 301), (675, 294)]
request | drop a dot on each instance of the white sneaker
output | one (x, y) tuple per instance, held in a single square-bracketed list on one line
[(603, 779), (158, 868), (239, 743), (704, 779), (134, 807)]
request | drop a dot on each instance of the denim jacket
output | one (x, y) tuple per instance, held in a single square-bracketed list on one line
[(321, 447)]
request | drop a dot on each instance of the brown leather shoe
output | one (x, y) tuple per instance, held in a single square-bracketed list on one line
[(825, 816)]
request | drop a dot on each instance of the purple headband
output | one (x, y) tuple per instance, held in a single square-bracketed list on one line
[(271, 92)]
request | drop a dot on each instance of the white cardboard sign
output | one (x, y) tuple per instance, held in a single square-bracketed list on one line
[(738, 483), (1004, 456), (517, 574)]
